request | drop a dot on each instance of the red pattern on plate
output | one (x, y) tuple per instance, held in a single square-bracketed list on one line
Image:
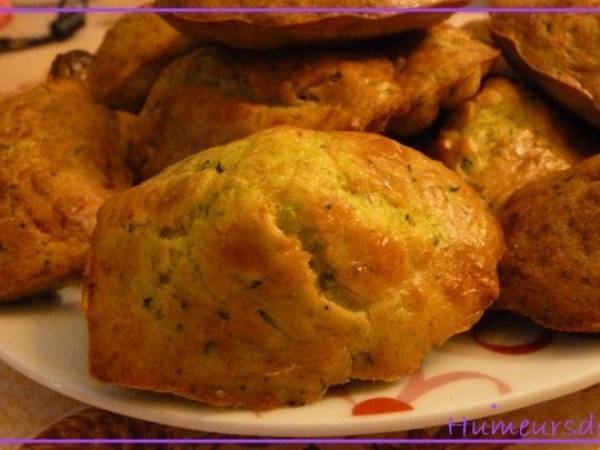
[(416, 386), (380, 405), (543, 340)]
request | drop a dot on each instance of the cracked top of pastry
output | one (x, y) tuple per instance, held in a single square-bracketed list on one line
[(213, 95), (276, 30), (260, 273)]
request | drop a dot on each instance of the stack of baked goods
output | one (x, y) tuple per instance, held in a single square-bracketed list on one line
[(264, 231)]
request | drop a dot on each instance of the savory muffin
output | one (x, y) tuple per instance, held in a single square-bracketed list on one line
[(60, 159), (259, 273), (276, 30), (131, 57), (551, 270), (213, 95), (557, 52), (507, 136)]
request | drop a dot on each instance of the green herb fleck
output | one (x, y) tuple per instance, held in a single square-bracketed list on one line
[(205, 165), (466, 165)]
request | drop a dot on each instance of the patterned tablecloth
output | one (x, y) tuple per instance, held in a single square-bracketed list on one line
[(30, 410)]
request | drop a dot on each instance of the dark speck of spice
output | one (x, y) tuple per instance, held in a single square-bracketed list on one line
[(171, 232), (182, 302), (164, 278), (295, 403), (180, 327), (205, 165), (255, 284), (328, 206), (147, 302), (336, 76), (220, 168), (326, 307), (2, 248), (454, 188), (327, 280), (364, 357), (466, 165), (209, 347), (223, 314), (267, 318)]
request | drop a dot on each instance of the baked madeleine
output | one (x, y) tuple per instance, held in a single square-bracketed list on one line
[(277, 30), (61, 157), (213, 96), (551, 270), (507, 136), (259, 273)]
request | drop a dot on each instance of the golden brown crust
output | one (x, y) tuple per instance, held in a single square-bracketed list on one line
[(59, 160), (130, 59), (260, 273), (551, 270), (557, 52), (481, 31), (213, 96), (441, 72), (269, 31), (507, 136)]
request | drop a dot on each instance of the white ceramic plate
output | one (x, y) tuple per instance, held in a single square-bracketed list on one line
[(47, 341)]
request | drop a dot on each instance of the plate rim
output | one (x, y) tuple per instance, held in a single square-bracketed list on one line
[(354, 426)]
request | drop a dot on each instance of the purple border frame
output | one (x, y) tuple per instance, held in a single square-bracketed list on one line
[(277, 10), (270, 441)]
